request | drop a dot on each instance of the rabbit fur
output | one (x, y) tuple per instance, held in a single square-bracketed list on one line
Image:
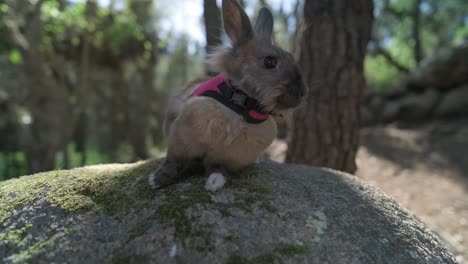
[(200, 130)]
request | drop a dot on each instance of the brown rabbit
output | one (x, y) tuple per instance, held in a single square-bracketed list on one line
[(225, 123)]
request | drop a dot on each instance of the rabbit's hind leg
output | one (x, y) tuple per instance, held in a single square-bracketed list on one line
[(173, 169), (217, 177)]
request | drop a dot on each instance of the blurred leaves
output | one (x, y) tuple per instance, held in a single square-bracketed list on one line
[(3, 8), (78, 58), (15, 57), (443, 23)]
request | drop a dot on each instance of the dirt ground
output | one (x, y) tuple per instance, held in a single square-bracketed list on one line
[(423, 167)]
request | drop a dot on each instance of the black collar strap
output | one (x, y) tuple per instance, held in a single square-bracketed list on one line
[(239, 102)]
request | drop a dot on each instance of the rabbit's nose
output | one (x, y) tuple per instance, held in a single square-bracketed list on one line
[(297, 88)]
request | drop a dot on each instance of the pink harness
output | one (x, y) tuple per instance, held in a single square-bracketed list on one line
[(219, 88)]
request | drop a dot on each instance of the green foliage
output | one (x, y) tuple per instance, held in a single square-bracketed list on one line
[(3, 8), (74, 21), (92, 153), (123, 28), (379, 74), (179, 67), (89, 58), (15, 57), (57, 22), (14, 164), (443, 23), (461, 34)]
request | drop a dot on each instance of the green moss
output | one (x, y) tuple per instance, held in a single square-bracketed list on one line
[(248, 193), (261, 259), (176, 202), (116, 190), (291, 250), (27, 254), (232, 238), (266, 205), (111, 189), (140, 229), (15, 236)]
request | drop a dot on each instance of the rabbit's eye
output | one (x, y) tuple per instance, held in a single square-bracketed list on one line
[(270, 62)]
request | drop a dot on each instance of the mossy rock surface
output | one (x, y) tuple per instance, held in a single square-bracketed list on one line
[(269, 213)]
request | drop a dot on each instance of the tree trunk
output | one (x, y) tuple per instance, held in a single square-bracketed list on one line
[(141, 108), (331, 54), (119, 108), (80, 136), (212, 24), (299, 23), (143, 92), (242, 3), (212, 18), (66, 158), (51, 111), (418, 51)]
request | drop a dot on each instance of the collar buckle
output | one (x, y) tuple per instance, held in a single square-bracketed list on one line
[(238, 98)]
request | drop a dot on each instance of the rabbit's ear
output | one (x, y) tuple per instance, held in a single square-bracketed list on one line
[(264, 25), (236, 22)]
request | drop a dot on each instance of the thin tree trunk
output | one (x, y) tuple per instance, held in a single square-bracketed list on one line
[(212, 23), (242, 3), (298, 26), (66, 158), (118, 109), (331, 54), (144, 89), (141, 123), (52, 113), (212, 18), (80, 136), (418, 51)]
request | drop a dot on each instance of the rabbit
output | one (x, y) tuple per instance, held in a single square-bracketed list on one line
[(225, 133)]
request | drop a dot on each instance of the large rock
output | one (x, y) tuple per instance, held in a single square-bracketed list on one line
[(270, 213), (390, 111), (454, 103), (412, 107), (447, 69), (418, 107), (376, 104), (368, 117)]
